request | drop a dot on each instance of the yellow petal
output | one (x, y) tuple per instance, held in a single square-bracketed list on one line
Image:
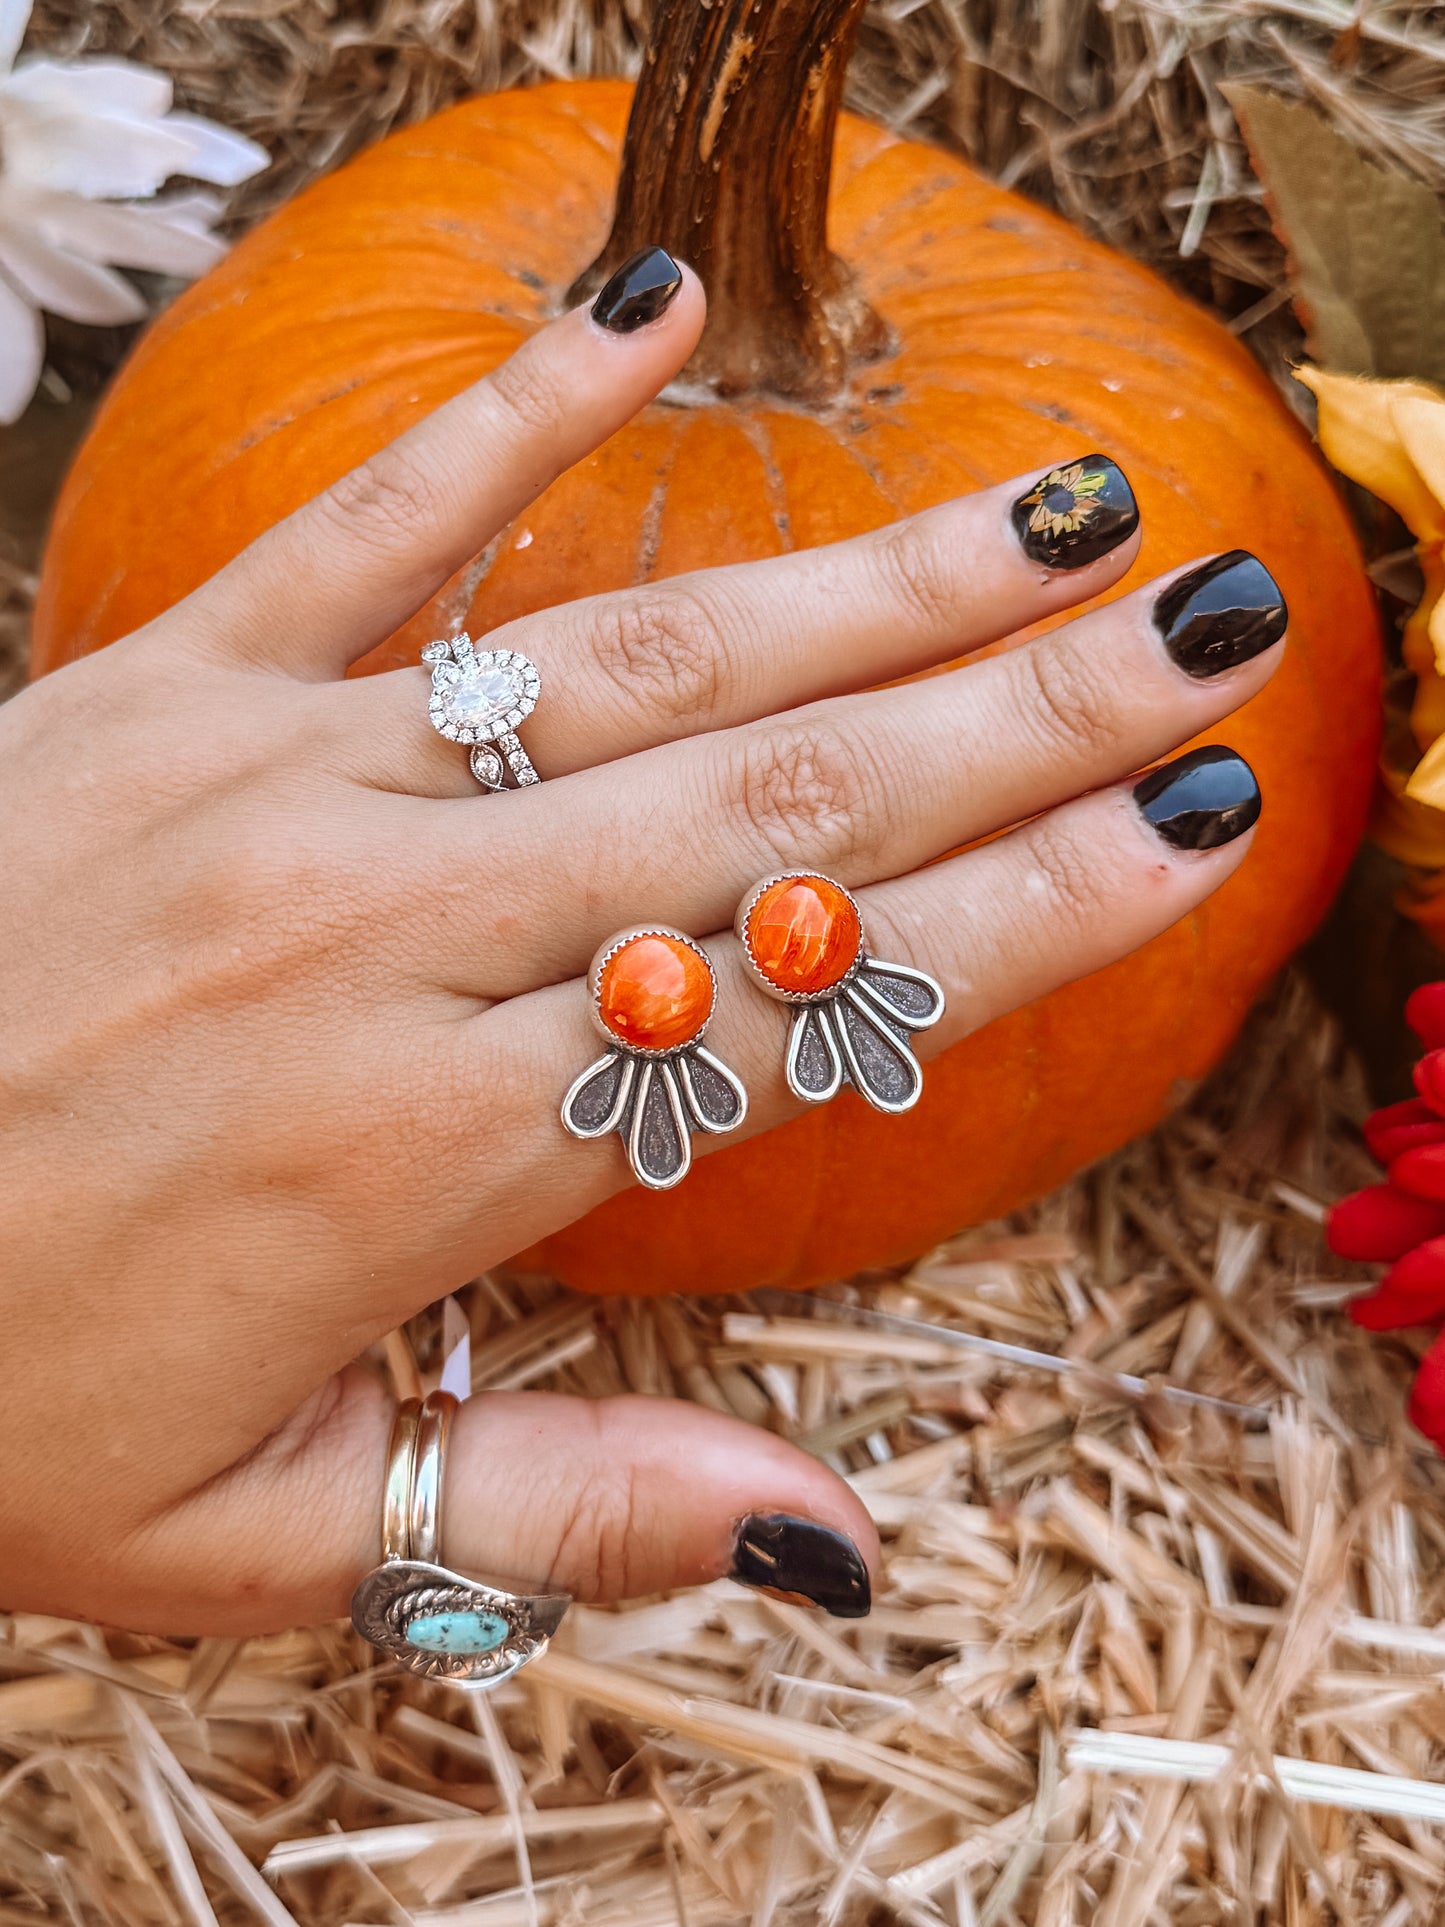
[(1420, 423), (1427, 709), (1361, 436), (1427, 779), (1412, 832)]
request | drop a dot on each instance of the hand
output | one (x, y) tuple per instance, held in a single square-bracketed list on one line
[(290, 1007)]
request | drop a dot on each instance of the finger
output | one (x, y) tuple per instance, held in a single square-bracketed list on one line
[(862, 787), (998, 926), (324, 586), (605, 1500), (624, 672)]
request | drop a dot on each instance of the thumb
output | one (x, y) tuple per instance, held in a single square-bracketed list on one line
[(606, 1499)]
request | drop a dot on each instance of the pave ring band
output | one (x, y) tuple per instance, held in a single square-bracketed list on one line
[(478, 697), (438, 1623)]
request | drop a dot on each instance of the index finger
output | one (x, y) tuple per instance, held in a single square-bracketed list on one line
[(335, 578)]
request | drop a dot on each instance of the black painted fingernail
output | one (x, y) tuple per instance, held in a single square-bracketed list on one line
[(1200, 800), (784, 1554), (641, 290), (1076, 513), (1221, 614)]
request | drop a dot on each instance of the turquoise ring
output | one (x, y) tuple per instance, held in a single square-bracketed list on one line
[(432, 1621)]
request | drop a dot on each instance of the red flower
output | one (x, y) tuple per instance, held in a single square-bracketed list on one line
[(1402, 1222)]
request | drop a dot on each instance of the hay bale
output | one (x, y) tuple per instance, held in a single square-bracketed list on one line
[(1057, 1563)]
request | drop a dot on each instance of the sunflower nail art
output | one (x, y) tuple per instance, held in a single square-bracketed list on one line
[(1076, 513)]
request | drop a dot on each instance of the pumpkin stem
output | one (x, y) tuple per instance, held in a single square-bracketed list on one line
[(726, 165)]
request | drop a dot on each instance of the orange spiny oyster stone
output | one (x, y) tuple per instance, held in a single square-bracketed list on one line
[(655, 993), (804, 934)]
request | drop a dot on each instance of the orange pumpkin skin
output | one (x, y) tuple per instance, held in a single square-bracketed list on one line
[(398, 280)]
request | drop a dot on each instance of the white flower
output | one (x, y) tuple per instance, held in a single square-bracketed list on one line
[(84, 145)]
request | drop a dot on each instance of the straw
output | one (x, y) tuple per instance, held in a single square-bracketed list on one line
[(1061, 1570)]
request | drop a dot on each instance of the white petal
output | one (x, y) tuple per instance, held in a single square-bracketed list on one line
[(22, 352), (169, 237), (14, 19), (102, 156), (93, 87), (217, 154), (79, 290), (193, 209)]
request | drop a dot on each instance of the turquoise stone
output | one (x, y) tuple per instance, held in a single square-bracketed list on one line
[(475, 1632)]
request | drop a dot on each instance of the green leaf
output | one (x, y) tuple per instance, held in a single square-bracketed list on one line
[(1366, 250)]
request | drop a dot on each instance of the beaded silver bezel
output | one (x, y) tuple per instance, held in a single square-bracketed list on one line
[(464, 663), (620, 942), (740, 928)]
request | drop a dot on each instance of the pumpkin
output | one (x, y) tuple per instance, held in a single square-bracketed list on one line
[(954, 336)]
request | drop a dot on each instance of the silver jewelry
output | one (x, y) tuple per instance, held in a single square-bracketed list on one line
[(853, 1016), (479, 696), (438, 1623), (652, 991)]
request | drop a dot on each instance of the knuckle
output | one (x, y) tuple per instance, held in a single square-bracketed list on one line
[(1071, 884), (530, 396), (601, 1545), (271, 908), (664, 650), (809, 790), (922, 573), (1067, 706), (388, 495)]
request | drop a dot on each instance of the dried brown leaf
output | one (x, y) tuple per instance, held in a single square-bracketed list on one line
[(1366, 249)]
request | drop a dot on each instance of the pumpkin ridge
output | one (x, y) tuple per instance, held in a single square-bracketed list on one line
[(757, 430), (850, 163), (875, 472), (803, 448), (570, 100), (511, 115), (1065, 421), (519, 176), (882, 423), (309, 403), (984, 302), (1105, 406), (649, 531), (898, 417), (870, 472)]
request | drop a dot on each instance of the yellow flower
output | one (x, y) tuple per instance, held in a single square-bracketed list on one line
[(1063, 500), (1390, 437)]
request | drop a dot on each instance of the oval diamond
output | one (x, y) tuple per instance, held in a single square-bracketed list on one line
[(482, 698)]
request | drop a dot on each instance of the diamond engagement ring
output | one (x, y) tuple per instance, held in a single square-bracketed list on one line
[(478, 697), (438, 1623)]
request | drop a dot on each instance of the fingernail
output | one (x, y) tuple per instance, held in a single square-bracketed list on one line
[(784, 1554), (1221, 614), (641, 290), (1076, 513), (1200, 800)]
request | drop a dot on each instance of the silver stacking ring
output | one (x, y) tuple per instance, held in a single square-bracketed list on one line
[(434, 1622), (478, 697)]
